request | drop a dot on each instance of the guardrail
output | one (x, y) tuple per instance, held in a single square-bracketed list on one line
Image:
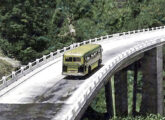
[(87, 89), (15, 75)]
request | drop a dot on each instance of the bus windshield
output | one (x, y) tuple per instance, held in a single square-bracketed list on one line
[(76, 59), (73, 59), (68, 59)]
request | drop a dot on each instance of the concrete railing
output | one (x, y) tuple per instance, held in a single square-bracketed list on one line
[(15, 75), (90, 86)]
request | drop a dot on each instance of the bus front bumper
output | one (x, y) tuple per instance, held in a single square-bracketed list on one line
[(73, 74)]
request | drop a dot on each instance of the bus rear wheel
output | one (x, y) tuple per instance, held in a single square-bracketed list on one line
[(99, 62)]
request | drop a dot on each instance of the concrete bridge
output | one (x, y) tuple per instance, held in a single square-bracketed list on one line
[(40, 83)]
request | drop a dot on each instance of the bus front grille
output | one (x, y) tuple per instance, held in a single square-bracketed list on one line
[(72, 69)]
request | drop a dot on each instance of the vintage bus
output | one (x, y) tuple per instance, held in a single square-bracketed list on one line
[(82, 60)]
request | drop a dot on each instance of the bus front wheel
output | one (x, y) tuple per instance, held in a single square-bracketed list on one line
[(89, 69)]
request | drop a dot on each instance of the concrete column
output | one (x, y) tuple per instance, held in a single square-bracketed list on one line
[(121, 97), (152, 89), (108, 96)]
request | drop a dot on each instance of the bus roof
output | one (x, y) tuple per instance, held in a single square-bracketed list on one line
[(82, 50)]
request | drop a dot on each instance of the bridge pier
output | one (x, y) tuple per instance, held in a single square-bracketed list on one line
[(108, 96), (121, 97), (152, 89)]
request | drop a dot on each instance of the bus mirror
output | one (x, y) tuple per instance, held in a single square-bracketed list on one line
[(88, 58)]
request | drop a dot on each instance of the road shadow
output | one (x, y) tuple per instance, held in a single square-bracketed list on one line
[(83, 77)]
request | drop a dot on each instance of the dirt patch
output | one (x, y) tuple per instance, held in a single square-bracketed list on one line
[(12, 62), (7, 64), (5, 68)]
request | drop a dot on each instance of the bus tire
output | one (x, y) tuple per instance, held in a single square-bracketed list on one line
[(89, 69), (99, 62)]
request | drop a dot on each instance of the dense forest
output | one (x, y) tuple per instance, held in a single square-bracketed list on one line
[(31, 28)]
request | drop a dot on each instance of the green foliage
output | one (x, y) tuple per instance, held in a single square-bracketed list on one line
[(130, 78), (28, 54), (39, 27), (148, 117), (43, 42), (99, 103), (24, 28)]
